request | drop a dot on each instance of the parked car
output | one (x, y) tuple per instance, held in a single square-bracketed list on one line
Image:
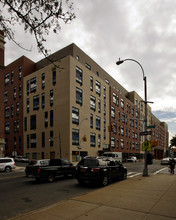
[(165, 161), (36, 163), (21, 159), (7, 164), (132, 159), (56, 168), (99, 170)]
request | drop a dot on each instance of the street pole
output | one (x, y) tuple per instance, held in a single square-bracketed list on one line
[(145, 171)]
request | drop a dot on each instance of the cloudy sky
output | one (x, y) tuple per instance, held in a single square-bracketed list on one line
[(144, 30)]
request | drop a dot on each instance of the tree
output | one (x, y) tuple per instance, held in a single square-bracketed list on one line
[(38, 17), (173, 141)]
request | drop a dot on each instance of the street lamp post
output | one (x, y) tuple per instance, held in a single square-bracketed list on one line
[(145, 171)]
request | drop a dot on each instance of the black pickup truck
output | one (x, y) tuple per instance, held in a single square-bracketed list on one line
[(55, 168)]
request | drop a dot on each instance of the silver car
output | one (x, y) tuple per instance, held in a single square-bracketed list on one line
[(7, 164)]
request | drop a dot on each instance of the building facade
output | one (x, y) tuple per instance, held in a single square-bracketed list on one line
[(64, 108)]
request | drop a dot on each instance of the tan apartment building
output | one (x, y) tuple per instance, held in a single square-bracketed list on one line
[(66, 112)]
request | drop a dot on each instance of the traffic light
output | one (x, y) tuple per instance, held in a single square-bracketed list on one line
[(112, 127), (85, 138)]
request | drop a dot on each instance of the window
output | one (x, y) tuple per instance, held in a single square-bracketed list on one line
[(33, 84), (43, 80), (33, 122), (43, 100), (99, 140), (115, 127), (20, 91), (20, 72), (25, 124), (5, 96), (46, 119), (79, 75), (33, 140), (51, 118), (14, 92), (117, 143), (112, 142), (98, 88), (122, 144), (75, 115), (54, 76), (12, 110), (36, 102), (92, 139), (99, 106), (98, 123), (12, 76), (132, 111), (123, 117), (43, 139), (7, 112), (14, 126), (91, 120), (114, 98), (51, 139), (112, 112), (27, 105), (91, 83), (20, 142), (27, 87), (7, 128), (7, 79), (27, 141), (136, 113), (122, 130), (122, 103), (51, 97), (92, 102), (79, 96), (17, 125), (87, 66), (75, 136)]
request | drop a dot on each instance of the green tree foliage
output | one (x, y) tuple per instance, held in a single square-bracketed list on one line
[(38, 17), (173, 141)]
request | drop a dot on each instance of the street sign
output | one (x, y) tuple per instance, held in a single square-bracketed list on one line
[(146, 145), (145, 133), (151, 126)]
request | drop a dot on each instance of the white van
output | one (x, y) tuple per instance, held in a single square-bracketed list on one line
[(116, 155)]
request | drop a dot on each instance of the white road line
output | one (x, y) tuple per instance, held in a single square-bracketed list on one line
[(158, 171), (136, 174)]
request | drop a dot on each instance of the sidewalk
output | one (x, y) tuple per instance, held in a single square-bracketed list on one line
[(147, 198)]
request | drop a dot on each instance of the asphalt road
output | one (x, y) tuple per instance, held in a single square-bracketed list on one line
[(20, 194)]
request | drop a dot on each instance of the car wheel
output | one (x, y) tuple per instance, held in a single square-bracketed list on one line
[(105, 180), (124, 176), (51, 178), (7, 169)]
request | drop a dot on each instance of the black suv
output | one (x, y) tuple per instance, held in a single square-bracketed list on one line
[(99, 170)]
